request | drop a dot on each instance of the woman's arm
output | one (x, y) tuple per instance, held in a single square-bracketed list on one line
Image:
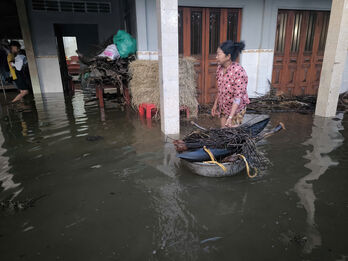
[(213, 110), (233, 110), (216, 99), (232, 113)]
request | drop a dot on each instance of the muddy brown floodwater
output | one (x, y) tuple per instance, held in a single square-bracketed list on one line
[(80, 184)]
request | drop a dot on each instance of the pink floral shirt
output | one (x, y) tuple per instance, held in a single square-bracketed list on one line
[(232, 87)]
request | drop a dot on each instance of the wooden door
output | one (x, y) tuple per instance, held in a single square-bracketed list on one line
[(299, 49), (201, 30)]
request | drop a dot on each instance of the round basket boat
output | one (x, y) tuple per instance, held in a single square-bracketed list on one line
[(213, 170)]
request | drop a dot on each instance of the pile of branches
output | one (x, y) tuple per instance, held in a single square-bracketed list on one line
[(108, 72), (282, 104), (105, 71), (238, 140)]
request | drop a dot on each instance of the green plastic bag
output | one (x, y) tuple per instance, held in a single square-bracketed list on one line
[(125, 43)]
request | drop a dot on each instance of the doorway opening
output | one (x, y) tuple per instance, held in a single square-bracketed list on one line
[(71, 57), (70, 39)]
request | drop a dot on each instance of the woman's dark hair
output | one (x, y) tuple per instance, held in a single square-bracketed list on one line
[(15, 43), (232, 48)]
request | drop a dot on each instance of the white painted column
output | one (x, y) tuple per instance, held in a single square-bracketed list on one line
[(334, 60), (140, 10), (167, 14), (24, 23)]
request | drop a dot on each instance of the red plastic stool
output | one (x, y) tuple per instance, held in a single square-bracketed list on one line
[(186, 109), (148, 107)]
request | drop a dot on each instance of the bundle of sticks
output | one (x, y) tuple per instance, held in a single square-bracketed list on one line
[(113, 72), (238, 140), (103, 70)]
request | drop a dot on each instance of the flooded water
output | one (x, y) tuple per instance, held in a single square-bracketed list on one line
[(105, 186)]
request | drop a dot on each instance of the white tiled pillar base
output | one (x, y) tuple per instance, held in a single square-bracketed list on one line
[(258, 65), (264, 74), (167, 14), (49, 74), (147, 55)]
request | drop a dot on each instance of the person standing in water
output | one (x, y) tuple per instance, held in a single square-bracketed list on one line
[(18, 64), (232, 80)]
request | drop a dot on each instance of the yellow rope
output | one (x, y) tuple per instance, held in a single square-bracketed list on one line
[(247, 166), (213, 160)]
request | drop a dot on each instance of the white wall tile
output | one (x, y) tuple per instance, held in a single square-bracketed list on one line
[(49, 74), (169, 5)]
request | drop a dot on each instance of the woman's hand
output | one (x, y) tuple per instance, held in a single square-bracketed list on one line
[(213, 110), (229, 124)]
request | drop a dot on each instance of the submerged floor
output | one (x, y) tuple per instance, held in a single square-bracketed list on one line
[(112, 189)]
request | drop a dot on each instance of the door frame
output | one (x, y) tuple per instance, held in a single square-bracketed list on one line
[(186, 11), (298, 73)]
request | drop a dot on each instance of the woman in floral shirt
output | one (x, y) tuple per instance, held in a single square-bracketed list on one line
[(232, 80)]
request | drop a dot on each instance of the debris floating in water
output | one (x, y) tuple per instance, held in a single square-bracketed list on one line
[(28, 228), (210, 239), (299, 239), (94, 138), (11, 206)]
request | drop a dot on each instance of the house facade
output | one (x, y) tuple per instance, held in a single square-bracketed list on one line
[(285, 41), (90, 21)]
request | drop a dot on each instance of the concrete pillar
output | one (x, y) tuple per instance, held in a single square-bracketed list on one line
[(140, 9), (24, 23), (334, 60), (167, 16)]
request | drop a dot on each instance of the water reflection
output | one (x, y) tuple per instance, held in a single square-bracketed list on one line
[(324, 139), (175, 229), (170, 162), (6, 178), (28, 131), (17, 127), (125, 195)]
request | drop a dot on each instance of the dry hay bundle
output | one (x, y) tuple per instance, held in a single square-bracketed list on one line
[(144, 85), (188, 84)]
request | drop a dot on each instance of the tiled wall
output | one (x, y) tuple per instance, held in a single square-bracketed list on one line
[(258, 63), (50, 80)]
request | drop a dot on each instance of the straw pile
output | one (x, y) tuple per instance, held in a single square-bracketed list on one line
[(144, 85), (188, 84)]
